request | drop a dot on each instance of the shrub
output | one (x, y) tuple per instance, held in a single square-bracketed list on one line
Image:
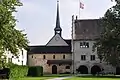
[(35, 71), (6, 72), (17, 71)]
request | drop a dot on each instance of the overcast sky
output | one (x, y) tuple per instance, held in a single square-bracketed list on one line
[(37, 17)]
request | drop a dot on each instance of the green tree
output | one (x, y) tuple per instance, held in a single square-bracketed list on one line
[(108, 45), (11, 39)]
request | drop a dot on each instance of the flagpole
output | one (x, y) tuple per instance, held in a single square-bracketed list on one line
[(79, 9), (73, 45)]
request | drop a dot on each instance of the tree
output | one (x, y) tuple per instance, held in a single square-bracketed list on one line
[(11, 39), (108, 45)]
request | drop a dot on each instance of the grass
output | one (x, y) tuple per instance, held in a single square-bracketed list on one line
[(35, 78), (44, 77), (95, 78)]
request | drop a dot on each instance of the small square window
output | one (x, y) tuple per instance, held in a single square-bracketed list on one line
[(83, 57), (84, 44), (92, 57)]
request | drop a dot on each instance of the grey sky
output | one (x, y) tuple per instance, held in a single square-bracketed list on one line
[(37, 17)]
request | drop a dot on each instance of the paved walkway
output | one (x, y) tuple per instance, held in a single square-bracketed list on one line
[(60, 78)]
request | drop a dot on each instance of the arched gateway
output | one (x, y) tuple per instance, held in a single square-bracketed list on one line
[(95, 69), (83, 69), (118, 70)]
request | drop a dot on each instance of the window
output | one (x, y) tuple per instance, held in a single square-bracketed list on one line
[(17, 56), (92, 57), (12, 56), (84, 44), (63, 56), (44, 56), (22, 62), (9, 59), (59, 64), (83, 57), (67, 67), (53, 56), (18, 60), (22, 54)]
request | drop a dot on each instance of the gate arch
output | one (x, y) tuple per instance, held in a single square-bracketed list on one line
[(95, 69), (83, 69)]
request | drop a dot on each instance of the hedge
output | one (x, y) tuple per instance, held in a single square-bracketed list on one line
[(18, 71), (35, 71)]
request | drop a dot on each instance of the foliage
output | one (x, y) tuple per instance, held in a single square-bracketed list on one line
[(17, 71), (108, 45), (35, 71), (11, 39)]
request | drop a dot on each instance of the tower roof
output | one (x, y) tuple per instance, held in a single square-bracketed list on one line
[(57, 28)]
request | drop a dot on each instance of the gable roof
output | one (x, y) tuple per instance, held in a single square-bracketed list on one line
[(49, 49), (68, 41), (60, 42), (87, 29)]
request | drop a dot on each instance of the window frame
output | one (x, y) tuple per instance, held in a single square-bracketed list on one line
[(84, 44), (83, 57), (67, 67), (53, 56), (92, 57), (44, 57), (63, 56)]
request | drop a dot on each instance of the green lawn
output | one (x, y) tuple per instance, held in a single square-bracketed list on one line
[(45, 77), (35, 78), (93, 78)]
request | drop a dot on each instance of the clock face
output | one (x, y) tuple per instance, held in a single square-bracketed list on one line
[(57, 38)]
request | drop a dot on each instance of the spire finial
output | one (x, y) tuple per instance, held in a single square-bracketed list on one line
[(57, 28)]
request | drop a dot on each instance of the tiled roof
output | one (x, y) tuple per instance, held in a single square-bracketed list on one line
[(87, 29), (68, 41), (49, 49)]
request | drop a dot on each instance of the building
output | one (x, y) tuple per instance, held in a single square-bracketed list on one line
[(86, 61), (19, 60), (55, 57), (69, 56)]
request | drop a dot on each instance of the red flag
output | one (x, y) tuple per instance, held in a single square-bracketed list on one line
[(81, 5)]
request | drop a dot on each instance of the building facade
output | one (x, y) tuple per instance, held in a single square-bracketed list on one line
[(55, 57), (71, 56), (20, 59), (85, 60)]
